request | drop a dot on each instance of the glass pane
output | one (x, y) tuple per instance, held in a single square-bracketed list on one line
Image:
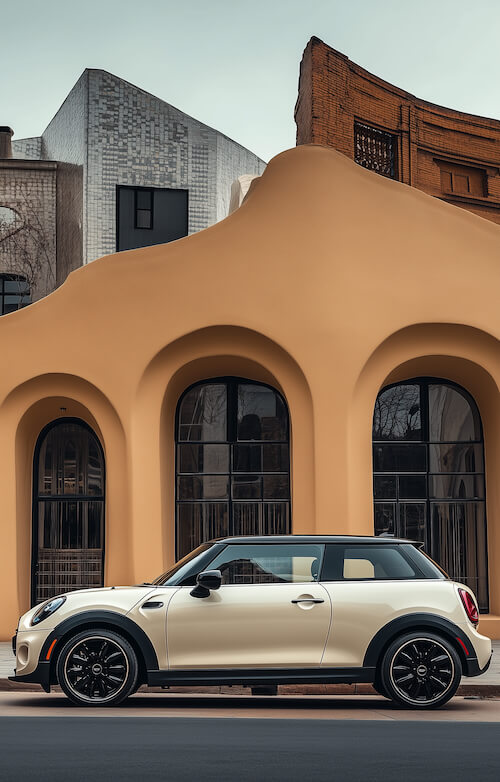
[(69, 469), (94, 483), (412, 521), (144, 199), (276, 487), (397, 414), (247, 457), (70, 462), (399, 458), (203, 458), (463, 486), (456, 458), (455, 543), (95, 512), (385, 518), (202, 414), (276, 518), (16, 286), (247, 518), (451, 417), (68, 524), (203, 487), (384, 487), (47, 476), (247, 487), (268, 564), (412, 487), (261, 414), (144, 219), (275, 458), (11, 304), (198, 522), (362, 562)]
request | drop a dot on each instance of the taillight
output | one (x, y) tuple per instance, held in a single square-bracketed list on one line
[(470, 606)]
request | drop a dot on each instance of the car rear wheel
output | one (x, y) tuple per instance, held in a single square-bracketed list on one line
[(420, 671), (97, 668)]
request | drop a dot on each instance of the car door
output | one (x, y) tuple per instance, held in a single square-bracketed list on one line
[(270, 611)]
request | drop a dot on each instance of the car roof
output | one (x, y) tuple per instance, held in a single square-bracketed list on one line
[(350, 539)]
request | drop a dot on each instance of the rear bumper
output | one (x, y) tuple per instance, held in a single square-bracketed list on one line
[(472, 667)]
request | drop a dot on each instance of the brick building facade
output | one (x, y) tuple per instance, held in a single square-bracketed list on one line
[(28, 218), (448, 154)]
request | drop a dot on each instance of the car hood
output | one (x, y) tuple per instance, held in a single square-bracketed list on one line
[(120, 599)]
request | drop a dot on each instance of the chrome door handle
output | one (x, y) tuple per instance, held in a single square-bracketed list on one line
[(308, 600)]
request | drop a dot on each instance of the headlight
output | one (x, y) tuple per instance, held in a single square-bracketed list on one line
[(47, 610)]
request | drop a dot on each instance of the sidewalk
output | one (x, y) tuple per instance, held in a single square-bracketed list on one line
[(487, 685)]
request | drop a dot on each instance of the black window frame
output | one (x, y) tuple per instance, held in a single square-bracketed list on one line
[(231, 382), (390, 137), (424, 382), (19, 278), (149, 190), (37, 497)]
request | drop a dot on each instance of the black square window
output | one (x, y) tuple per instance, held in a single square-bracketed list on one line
[(149, 215)]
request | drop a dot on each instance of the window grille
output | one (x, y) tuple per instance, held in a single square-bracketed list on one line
[(375, 149)]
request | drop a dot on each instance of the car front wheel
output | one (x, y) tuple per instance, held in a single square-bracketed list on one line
[(97, 667), (420, 670)]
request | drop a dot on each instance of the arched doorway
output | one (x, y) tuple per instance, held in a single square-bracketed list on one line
[(232, 462), (429, 482), (68, 510)]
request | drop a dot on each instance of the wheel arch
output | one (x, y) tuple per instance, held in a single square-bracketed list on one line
[(105, 620), (420, 623)]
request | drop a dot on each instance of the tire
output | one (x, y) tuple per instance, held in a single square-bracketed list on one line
[(97, 668), (420, 670), (379, 687)]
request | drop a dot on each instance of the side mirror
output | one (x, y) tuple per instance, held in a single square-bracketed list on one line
[(206, 581)]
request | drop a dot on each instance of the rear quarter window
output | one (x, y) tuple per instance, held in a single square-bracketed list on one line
[(371, 563)]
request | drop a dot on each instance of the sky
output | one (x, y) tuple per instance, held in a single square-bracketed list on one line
[(234, 64)]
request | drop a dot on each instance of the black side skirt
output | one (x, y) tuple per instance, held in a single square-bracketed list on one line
[(259, 676)]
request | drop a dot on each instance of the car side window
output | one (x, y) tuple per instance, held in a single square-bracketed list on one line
[(363, 563), (269, 563)]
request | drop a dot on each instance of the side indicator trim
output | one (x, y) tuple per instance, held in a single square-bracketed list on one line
[(50, 649), (463, 646)]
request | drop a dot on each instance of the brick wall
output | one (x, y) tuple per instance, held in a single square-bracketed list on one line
[(448, 154), (29, 188)]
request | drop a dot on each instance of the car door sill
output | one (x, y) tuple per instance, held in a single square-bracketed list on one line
[(254, 676)]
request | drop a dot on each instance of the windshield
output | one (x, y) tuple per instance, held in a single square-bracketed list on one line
[(183, 564)]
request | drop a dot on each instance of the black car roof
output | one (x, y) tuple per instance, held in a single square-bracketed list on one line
[(350, 539)]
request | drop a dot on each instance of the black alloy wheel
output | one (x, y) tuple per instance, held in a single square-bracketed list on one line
[(421, 671), (97, 668)]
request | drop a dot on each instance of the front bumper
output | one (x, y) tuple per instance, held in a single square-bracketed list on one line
[(41, 676)]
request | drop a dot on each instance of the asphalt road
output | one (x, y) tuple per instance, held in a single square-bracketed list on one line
[(187, 749)]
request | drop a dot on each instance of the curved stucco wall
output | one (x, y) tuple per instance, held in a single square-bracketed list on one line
[(328, 282)]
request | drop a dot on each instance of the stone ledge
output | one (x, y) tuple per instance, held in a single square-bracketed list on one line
[(478, 690)]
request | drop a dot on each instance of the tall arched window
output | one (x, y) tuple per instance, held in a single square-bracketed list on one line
[(68, 513), (429, 484), (233, 463)]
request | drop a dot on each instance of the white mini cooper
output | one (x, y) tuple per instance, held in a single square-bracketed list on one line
[(264, 611)]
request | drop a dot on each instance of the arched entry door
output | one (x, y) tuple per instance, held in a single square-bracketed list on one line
[(233, 462), (429, 482), (68, 510)]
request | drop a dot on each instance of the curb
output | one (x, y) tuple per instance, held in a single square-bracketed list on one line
[(470, 690)]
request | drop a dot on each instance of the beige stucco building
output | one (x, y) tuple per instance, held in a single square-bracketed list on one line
[(327, 285)]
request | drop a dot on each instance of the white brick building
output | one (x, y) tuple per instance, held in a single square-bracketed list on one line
[(131, 170)]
